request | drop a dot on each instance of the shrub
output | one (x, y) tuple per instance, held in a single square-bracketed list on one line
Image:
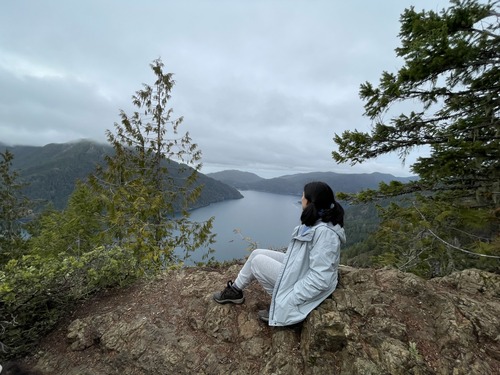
[(35, 291)]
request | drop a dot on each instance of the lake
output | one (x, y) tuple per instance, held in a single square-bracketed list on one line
[(265, 218)]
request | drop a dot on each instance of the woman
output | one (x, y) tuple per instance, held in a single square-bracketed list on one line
[(303, 277)]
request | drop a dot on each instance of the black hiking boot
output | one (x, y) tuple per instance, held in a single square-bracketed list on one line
[(229, 295)]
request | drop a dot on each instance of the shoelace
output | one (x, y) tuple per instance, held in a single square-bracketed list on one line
[(229, 288)]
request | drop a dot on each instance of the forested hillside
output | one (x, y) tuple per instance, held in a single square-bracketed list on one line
[(52, 171), (294, 183), (239, 179)]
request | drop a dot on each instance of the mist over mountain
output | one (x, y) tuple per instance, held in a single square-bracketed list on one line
[(294, 184), (52, 171)]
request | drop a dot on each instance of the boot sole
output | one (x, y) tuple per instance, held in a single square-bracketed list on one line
[(235, 301)]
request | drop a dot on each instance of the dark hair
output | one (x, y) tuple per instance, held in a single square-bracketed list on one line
[(322, 205)]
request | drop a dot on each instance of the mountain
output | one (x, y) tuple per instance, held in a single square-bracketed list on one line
[(51, 172), (294, 184), (238, 179)]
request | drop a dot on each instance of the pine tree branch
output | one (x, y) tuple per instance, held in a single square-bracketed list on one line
[(449, 244)]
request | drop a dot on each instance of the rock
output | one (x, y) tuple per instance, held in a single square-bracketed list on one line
[(377, 322), (388, 322)]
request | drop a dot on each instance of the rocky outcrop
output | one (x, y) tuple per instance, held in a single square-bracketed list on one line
[(378, 322)]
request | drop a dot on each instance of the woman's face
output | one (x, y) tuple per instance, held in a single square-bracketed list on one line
[(305, 202)]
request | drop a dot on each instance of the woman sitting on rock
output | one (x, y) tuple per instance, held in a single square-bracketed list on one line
[(303, 277)]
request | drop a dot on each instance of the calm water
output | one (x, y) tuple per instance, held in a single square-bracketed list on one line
[(267, 219)]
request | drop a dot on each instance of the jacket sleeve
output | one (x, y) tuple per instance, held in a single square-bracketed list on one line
[(322, 270)]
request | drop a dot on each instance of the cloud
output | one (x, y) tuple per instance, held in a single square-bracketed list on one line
[(262, 85), (41, 108)]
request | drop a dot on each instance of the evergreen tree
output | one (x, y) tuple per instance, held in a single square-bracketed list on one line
[(145, 209), (74, 231), (14, 207), (451, 79)]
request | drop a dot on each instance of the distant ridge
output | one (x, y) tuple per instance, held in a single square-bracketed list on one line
[(294, 183), (53, 170), (235, 178)]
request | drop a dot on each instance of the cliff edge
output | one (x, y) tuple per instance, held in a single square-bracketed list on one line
[(378, 322)]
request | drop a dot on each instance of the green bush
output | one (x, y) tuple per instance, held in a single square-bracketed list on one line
[(36, 291)]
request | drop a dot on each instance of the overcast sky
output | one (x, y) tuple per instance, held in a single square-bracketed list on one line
[(263, 86)]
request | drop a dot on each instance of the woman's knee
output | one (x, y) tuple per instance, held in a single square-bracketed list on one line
[(258, 252), (258, 261), (254, 253)]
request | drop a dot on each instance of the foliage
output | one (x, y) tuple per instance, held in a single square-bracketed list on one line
[(432, 244), (451, 69), (63, 263), (139, 185), (360, 221), (35, 290), (413, 350), (124, 222), (361, 253), (75, 230), (14, 208), (451, 80), (251, 243)]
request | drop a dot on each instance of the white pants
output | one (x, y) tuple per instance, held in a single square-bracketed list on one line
[(262, 265)]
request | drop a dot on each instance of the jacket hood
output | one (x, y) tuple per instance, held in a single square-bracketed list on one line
[(340, 231)]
